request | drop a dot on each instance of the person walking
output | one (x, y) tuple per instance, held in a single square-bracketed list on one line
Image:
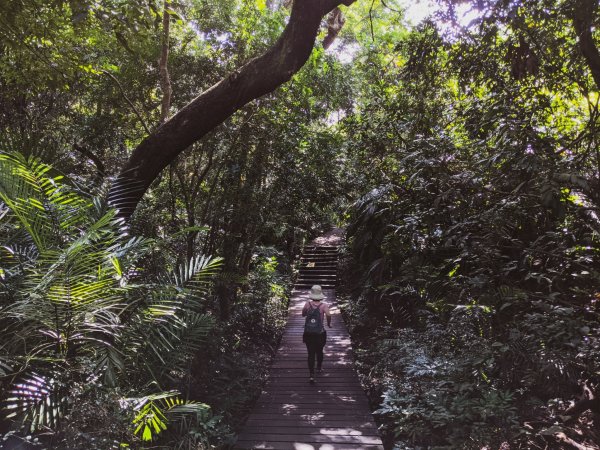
[(314, 335)]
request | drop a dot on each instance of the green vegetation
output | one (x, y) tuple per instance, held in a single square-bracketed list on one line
[(476, 245), (140, 308)]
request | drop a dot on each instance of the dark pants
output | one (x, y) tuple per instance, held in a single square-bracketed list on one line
[(314, 345)]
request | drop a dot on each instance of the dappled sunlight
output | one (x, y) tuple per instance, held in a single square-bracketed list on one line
[(465, 13), (340, 431), (313, 418), (298, 446), (333, 237), (288, 408)]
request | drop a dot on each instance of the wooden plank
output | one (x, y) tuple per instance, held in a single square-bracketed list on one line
[(279, 422), (290, 430), (275, 427), (310, 391), (301, 365), (316, 438), (330, 429), (300, 385), (291, 409), (303, 446), (314, 414), (307, 402), (291, 374), (328, 374), (329, 352), (320, 387), (359, 416), (317, 398), (317, 389)]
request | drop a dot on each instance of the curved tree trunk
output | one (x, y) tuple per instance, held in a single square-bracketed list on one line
[(259, 76), (583, 22)]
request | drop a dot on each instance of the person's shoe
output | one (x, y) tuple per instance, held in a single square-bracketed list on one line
[(311, 379)]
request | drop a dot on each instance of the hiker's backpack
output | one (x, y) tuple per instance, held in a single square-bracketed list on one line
[(313, 323)]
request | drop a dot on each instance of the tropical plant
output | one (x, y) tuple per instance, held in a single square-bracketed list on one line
[(75, 307)]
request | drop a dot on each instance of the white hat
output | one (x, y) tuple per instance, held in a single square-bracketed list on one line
[(316, 293)]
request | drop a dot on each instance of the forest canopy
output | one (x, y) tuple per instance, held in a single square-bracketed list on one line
[(163, 162)]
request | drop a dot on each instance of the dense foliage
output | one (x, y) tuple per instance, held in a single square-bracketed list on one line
[(461, 154), (476, 241)]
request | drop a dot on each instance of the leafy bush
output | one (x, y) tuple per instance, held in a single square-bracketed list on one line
[(261, 309), (76, 312), (437, 393)]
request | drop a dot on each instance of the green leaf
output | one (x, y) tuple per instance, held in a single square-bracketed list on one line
[(147, 436)]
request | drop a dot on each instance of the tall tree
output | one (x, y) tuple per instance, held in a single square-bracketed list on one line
[(259, 76)]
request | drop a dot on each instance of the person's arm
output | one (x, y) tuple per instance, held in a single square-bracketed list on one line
[(305, 309)]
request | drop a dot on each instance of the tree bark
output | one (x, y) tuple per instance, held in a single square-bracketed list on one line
[(165, 79), (335, 22), (583, 19), (258, 77)]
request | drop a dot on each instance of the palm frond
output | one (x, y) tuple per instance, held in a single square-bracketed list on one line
[(168, 337), (45, 207), (155, 412), (36, 401), (189, 338), (172, 328), (196, 273), (110, 362)]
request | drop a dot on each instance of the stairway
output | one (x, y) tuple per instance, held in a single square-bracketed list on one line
[(318, 265)]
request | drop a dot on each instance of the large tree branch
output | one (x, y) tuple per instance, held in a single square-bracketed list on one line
[(583, 16), (258, 77)]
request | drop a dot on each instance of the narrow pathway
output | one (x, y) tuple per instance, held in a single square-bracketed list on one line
[(334, 413)]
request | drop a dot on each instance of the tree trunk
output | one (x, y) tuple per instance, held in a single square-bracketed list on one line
[(259, 76), (583, 20), (165, 79)]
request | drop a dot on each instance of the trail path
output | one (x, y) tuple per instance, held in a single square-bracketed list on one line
[(334, 413)]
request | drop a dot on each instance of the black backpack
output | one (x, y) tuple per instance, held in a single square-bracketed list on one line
[(313, 323)]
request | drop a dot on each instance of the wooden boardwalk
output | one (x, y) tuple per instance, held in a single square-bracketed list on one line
[(332, 414)]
